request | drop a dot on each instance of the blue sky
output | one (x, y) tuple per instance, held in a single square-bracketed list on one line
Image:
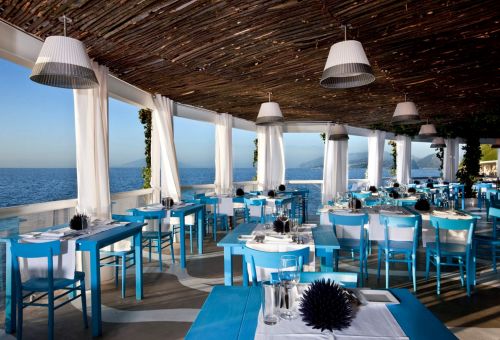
[(37, 130)]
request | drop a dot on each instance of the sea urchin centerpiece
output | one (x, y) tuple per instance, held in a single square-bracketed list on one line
[(325, 305), (281, 225), (78, 222)]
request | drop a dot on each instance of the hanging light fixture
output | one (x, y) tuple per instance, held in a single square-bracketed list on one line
[(496, 145), (427, 130), (438, 142), (63, 62), (338, 132), (347, 65), (405, 113), (269, 113)]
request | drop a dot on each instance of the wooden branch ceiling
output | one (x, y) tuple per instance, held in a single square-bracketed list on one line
[(226, 55)]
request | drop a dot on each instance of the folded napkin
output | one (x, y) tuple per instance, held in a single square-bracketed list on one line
[(56, 233)]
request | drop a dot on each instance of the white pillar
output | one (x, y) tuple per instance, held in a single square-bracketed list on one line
[(224, 154), (335, 168), (450, 161), (498, 163), (376, 143), (271, 157), (403, 159)]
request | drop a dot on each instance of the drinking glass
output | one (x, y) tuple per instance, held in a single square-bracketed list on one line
[(270, 302), (289, 276)]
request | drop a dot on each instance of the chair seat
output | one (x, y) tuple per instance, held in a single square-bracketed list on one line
[(448, 248), (397, 245), (42, 284), (154, 234)]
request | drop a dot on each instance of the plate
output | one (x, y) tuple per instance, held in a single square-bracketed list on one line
[(377, 296)]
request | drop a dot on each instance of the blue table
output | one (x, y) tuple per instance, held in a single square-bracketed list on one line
[(92, 244), (231, 313), (181, 213), (325, 244)]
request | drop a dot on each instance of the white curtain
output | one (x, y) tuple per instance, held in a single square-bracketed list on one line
[(450, 161), (223, 153), (376, 143), (92, 153), (271, 158), (163, 127), (155, 165), (403, 159), (335, 168), (498, 162)]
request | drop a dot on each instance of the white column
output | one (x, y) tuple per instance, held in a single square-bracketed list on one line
[(162, 122), (92, 151), (403, 159), (498, 163), (450, 161), (335, 168), (155, 163), (271, 157), (376, 143), (224, 154)]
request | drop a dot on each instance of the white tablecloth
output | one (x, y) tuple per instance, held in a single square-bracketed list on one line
[(372, 321)]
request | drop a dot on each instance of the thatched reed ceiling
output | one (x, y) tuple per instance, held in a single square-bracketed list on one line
[(226, 55)]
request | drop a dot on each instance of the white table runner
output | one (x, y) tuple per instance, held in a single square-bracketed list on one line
[(372, 321)]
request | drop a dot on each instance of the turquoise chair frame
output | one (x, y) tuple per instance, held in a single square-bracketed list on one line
[(121, 259), (215, 216), (156, 239), (490, 241), (261, 202), (352, 245), (47, 285), (463, 253), (267, 259), (347, 280), (388, 248), (238, 212), (361, 195)]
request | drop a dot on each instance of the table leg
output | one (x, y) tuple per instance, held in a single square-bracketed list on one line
[(95, 284), (244, 271), (10, 293), (228, 266), (182, 241), (138, 265), (201, 227), (327, 262)]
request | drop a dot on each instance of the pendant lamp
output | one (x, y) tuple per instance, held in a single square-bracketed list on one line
[(405, 113), (496, 145), (438, 142), (338, 132), (347, 65), (427, 130), (63, 62), (269, 113)]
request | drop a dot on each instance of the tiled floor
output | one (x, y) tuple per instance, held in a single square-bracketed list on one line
[(173, 298)]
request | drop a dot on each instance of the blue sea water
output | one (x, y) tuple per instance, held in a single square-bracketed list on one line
[(34, 185)]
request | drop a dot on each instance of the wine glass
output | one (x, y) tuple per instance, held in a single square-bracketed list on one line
[(289, 276)]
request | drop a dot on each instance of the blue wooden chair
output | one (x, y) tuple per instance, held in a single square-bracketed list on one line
[(492, 200), (156, 239), (348, 280), (352, 245), (215, 216), (45, 285), (437, 250), (239, 212), (490, 241), (482, 188), (361, 195), (121, 259), (265, 259), (388, 249), (261, 202)]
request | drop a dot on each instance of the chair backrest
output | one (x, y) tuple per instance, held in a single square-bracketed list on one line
[(454, 224), (240, 199), (201, 195), (266, 259), (31, 251), (361, 195), (391, 221), (494, 212), (255, 201), (128, 218), (150, 215), (354, 220), (348, 280)]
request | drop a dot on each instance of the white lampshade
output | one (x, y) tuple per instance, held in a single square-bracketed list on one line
[(269, 113), (438, 142), (496, 145), (63, 62), (427, 130), (346, 66), (338, 132), (405, 113)]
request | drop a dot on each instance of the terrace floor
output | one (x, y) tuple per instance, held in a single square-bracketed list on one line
[(173, 298)]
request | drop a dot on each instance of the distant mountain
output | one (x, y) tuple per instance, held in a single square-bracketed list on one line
[(360, 160)]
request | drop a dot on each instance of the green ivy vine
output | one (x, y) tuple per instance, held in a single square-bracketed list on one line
[(468, 171), (440, 156), (145, 116), (394, 154)]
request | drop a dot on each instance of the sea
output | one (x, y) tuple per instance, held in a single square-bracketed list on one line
[(20, 186)]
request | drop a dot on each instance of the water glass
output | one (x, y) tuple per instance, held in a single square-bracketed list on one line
[(270, 302), (289, 275)]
